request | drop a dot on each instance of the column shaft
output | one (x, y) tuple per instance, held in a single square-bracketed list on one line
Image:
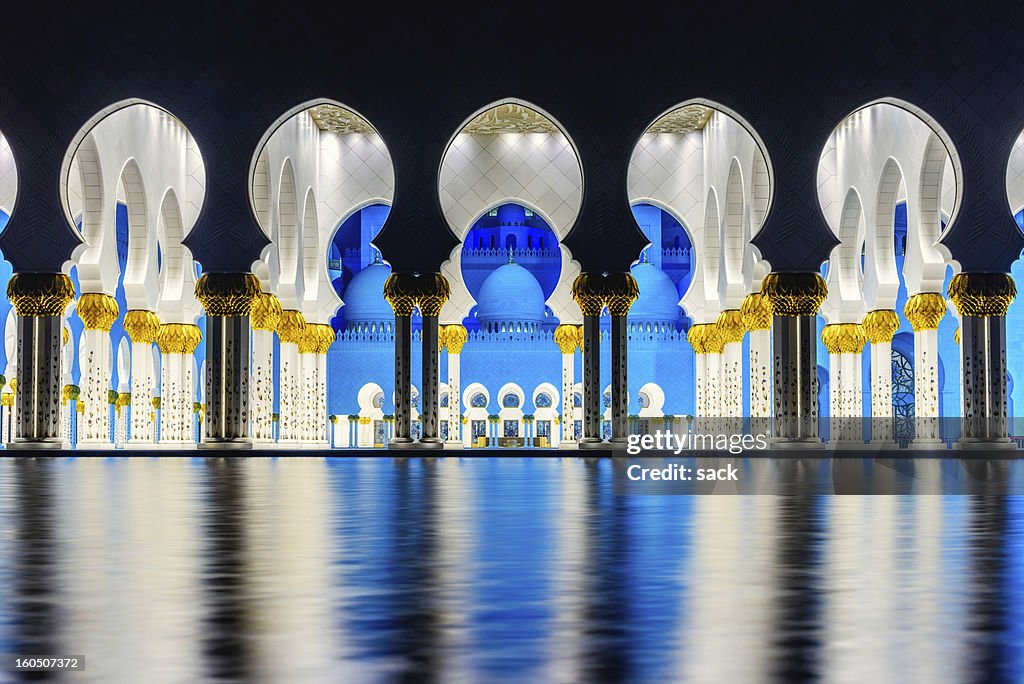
[(985, 407), (620, 381), (454, 397), (39, 377), (592, 389), (794, 340), (261, 404), (568, 399), (403, 381), (227, 382), (429, 393)]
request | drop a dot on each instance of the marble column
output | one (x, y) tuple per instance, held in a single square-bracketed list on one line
[(66, 409), (845, 344), (982, 300), (264, 319), (794, 299), (291, 405), (39, 300), (731, 328), (455, 338), (433, 292), (707, 342), (98, 312), (227, 299), (177, 342), (567, 337), (620, 291), (69, 399), (400, 290), (142, 327), (316, 341), (879, 327), (587, 291), (121, 410), (757, 319), (924, 311)]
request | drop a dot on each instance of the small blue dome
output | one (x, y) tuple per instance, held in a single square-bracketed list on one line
[(510, 294), (658, 301), (364, 296)]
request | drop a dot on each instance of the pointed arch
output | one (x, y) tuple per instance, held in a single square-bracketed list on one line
[(312, 254), (91, 175), (139, 261), (731, 276)]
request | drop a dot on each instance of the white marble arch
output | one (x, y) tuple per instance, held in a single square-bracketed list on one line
[(701, 300), (11, 344), (510, 413), (655, 397), (367, 398), (845, 274), (718, 181), (540, 171), (890, 151), (136, 152), (471, 412), (547, 413), (303, 181), (8, 177)]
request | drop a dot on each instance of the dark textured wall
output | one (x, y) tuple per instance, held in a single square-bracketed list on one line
[(793, 73)]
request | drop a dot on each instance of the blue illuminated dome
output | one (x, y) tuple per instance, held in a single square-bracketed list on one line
[(658, 301), (364, 296), (510, 294)]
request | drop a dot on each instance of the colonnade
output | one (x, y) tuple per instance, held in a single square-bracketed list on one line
[(40, 416), (40, 410), (785, 368)]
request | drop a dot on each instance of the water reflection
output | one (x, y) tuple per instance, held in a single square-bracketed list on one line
[(470, 570)]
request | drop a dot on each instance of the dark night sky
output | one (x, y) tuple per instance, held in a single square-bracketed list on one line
[(793, 73)]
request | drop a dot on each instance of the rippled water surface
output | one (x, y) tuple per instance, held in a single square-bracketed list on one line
[(493, 570)]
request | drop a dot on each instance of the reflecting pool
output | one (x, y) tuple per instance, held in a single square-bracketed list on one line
[(388, 569)]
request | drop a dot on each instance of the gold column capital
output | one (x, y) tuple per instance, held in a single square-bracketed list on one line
[(97, 310), (455, 338), (588, 293), (844, 338), (69, 392), (266, 312), (291, 326), (755, 312), (141, 325), (794, 294), (956, 336), (432, 291), (317, 338), (40, 294), (706, 338), (178, 338), (730, 326), (619, 292), (925, 310), (567, 338), (65, 335), (401, 292), (227, 294), (880, 325), (982, 294)]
